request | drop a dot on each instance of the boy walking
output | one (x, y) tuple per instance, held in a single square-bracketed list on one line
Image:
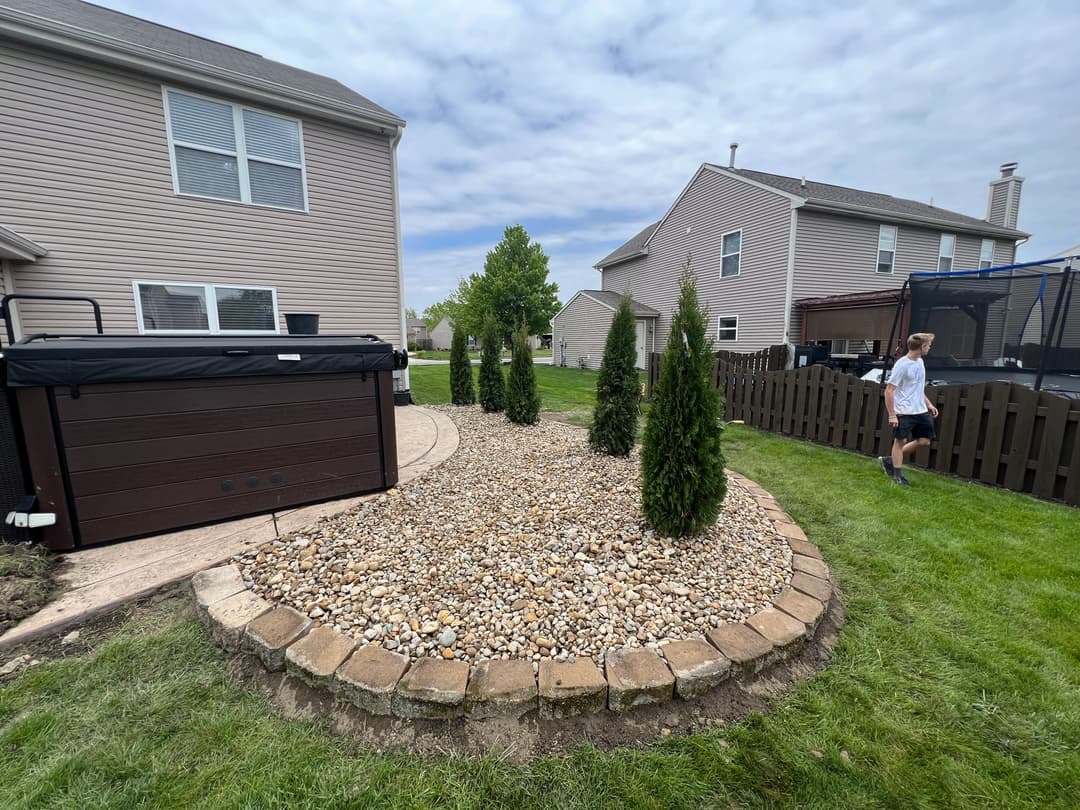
[(911, 413)]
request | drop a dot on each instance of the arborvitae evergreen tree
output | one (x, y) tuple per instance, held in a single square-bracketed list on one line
[(682, 464), (617, 388), (522, 401), (461, 379), (492, 384)]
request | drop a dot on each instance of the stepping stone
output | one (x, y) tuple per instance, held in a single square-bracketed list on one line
[(269, 635), (316, 657), (748, 650), (800, 606), (809, 565), (433, 688), (369, 678), (215, 584), (820, 589), (804, 548), (784, 631), (636, 677), (696, 665), (229, 616), (567, 689), (501, 689)]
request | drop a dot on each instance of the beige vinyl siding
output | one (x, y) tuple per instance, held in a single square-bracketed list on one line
[(712, 205), (85, 172), (1004, 252), (836, 255), (583, 325), (996, 210)]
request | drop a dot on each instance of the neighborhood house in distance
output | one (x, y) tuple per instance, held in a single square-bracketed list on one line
[(190, 187), (761, 243)]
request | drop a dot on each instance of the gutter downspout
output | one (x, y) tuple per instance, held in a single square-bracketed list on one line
[(9, 289), (789, 285), (397, 244)]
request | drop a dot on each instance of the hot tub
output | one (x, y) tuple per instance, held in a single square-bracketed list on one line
[(129, 436)]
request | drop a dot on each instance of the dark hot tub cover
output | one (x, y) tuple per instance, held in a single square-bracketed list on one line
[(119, 358)]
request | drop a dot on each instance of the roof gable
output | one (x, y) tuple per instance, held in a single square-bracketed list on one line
[(633, 247), (80, 19)]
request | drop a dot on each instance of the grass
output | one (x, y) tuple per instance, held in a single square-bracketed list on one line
[(956, 683), (444, 354), (561, 389)]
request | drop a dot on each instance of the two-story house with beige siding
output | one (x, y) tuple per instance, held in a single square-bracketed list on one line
[(188, 186), (758, 243)]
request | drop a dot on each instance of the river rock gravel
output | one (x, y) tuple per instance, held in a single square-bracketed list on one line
[(524, 544)]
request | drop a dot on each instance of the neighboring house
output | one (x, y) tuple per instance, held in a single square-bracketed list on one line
[(581, 328), (759, 242), (416, 329), (442, 334), (186, 185)]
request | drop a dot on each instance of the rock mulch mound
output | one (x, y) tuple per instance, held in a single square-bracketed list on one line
[(524, 544)]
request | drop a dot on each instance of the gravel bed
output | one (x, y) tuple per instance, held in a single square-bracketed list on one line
[(524, 544)]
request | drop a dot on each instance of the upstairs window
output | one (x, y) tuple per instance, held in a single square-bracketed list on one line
[(228, 152), (727, 328), (730, 252), (205, 309), (946, 249), (886, 248), (986, 255)]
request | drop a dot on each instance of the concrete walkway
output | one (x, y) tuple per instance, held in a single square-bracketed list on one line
[(99, 579)]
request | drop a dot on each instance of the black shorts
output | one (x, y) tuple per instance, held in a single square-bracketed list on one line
[(915, 426)]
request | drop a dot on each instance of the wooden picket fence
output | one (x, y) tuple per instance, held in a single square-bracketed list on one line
[(773, 358), (999, 433)]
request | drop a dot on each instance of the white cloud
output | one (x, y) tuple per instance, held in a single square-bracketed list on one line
[(588, 118)]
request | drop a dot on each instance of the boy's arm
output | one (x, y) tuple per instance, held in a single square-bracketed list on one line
[(930, 405), (890, 402)]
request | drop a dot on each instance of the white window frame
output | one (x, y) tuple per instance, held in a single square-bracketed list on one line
[(211, 309), (895, 239), (942, 255), (982, 250), (240, 153), (723, 255), (720, 318)]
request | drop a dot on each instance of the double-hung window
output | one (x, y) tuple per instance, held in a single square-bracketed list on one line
[(228, 152), (986, 255), (730, 254), (886, 248), (946, 249), (727, 327), (205, 309)]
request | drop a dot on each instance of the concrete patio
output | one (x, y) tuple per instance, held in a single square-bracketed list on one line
[(98, 579)]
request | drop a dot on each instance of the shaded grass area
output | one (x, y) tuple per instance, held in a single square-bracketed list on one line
[(956, 683)]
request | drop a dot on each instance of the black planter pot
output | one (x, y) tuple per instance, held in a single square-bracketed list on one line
[(302, 323)]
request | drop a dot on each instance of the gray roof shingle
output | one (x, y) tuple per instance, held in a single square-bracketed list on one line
[(136, 31), (868, 200), (612, 300), (629, 248)]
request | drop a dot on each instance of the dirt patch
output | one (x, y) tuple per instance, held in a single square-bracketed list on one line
[(83, 638), (28, 580)]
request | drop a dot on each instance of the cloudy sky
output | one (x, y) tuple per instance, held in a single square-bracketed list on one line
[(584, 120)]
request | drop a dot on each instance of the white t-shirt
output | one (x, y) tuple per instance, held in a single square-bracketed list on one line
[(909, 377)]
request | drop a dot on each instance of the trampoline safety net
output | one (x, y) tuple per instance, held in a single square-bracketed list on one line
[(1011, 317)]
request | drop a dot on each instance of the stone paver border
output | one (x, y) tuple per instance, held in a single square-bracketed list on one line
[(386, 683)]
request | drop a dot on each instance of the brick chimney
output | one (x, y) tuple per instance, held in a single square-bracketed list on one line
[(1003, 202)]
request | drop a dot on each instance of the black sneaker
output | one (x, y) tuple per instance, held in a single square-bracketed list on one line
[(899, 479), (887, 465)]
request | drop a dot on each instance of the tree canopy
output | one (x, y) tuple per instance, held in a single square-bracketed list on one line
[(514, 288)]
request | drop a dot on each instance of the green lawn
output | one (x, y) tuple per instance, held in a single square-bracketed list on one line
[(561, 389), (956, 683), (444, 354)]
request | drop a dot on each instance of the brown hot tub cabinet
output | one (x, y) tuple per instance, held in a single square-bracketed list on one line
[(130, 436)]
